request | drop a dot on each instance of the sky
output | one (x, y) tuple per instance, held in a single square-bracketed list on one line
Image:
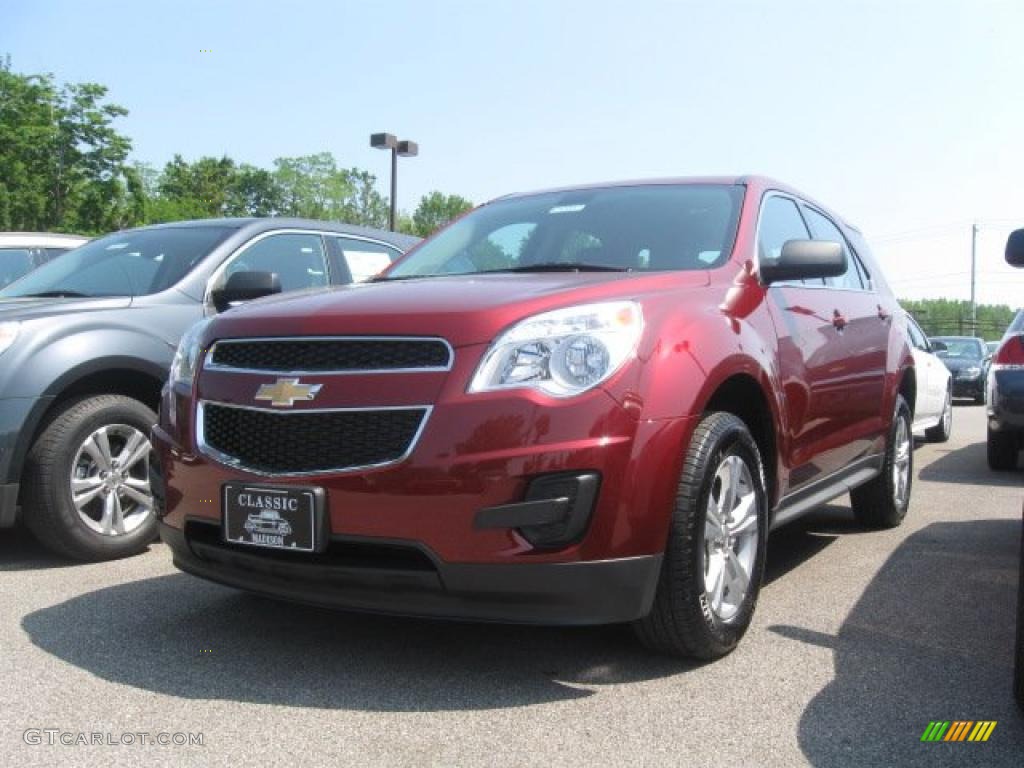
[(904, 117)]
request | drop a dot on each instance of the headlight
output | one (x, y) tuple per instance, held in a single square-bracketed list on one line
[(183, 367), (972, 373), (8, 333), (564, 352)]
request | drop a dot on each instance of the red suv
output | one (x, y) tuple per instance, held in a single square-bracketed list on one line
[(580, 406)]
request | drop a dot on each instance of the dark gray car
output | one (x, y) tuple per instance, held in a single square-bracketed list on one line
[(86, 342)]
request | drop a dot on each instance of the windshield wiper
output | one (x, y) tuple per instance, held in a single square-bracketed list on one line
[(557, 266), (58, 294)]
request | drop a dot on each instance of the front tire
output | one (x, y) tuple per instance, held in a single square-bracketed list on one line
[(714, 558), (883, 501), (940, 432), (87, 489)]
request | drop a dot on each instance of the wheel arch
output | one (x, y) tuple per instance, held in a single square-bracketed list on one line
[(744, 392), (138, 379)]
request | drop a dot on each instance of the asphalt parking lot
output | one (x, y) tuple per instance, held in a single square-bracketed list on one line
[(860, 640)]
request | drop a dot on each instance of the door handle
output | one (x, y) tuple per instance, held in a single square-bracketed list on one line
[(838, 321)]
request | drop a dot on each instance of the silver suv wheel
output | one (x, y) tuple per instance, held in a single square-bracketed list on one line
[(110, 480), (730, 537)]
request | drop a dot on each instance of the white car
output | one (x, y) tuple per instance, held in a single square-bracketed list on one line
[(933, 410), (21, 252)]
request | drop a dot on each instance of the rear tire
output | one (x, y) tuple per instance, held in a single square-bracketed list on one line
[(940, 432), (1002, 449), (714, 558), (101, 444), (883, 501)]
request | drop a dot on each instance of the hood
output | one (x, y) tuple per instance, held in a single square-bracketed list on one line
[(31, 309), (464, 309)]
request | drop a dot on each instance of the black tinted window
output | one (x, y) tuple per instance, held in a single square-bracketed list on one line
[(822, 228), (647, 227), (123, 264)]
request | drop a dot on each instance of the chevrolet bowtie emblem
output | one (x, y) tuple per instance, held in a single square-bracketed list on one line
[(284, 392)]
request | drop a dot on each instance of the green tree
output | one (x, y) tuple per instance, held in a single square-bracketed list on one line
[(952, 317), (311, 186), (365, 205), (437, 209), (253, 192), (62, 162), (197, 190)]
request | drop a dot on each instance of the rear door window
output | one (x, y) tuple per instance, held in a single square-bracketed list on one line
[(365, 258)]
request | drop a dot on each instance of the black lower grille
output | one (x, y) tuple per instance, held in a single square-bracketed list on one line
[(310, 442), (352, 354)]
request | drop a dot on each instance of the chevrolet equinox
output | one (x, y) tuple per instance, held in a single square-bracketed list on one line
[(579, 406)]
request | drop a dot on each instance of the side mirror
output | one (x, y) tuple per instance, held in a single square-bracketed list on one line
[(1015, 248), (245, 286), (938, 346), (804, 260)]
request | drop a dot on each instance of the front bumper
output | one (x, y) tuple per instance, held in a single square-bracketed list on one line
[(969, 387), (18, 419), (594, 592), (450, 511)]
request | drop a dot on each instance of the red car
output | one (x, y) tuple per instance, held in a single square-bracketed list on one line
[(579, 406)]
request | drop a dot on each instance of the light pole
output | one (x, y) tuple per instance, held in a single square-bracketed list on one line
[(974, 304), (398, 148)]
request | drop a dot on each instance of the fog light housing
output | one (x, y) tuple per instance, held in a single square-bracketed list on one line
[(554, 513), (581, 491)]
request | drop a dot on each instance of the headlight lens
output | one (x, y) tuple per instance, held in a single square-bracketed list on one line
[(973, 372), (8, 333), (186, 359), (564, 352)]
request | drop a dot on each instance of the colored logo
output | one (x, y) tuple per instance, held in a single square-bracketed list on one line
[(958, 730), (284, 392)]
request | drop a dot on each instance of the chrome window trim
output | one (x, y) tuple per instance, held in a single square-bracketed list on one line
[(209, 365), (234, 463), (222, 267)]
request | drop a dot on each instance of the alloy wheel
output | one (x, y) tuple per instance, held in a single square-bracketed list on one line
[(901, 463), (730, 537), (110, 485)]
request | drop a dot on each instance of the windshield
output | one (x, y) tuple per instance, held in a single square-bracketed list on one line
[(968, 349), (642, 228), (123, 264)]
